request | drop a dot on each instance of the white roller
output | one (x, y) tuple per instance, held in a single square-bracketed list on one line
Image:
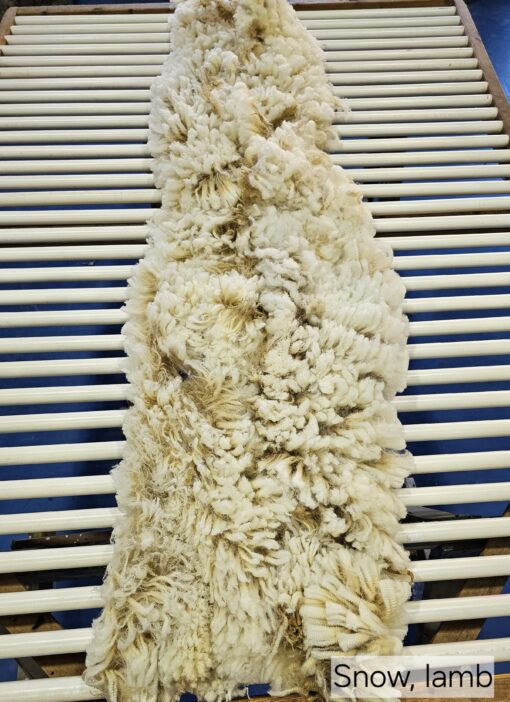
[(121, 272), (131, 196), (340, 57), (57, 521), (61, 689), (41, 643), (458, 529), (448, 260), (468, 374), (35, 235), (82, 95), (114, 342), (43, 109), (157, 59), (32, 369), (118, 294), (475, 325), (56, 487), (408, 144), (118, 392), (149, 59), (95, 166), (80, 366), (442, 304), (141, 48), (460, 204), (418, 612), (452, 462), (110, 26), (435, 42), (10, 320), (456, 280), (76, 121), (114, 83), (447, 241), (414, 158), (50, 558), (69, 136), (77, 151), (103, 484), (94, 556), (444, 222), (104, 517), (427, 101), (40, 344), (118, 316), (429, 11), (435, 570), (444, 401), (424, 115), (363, 122), (61, 421), (26, 369), (449, 349), (475, 187), (141, 38), (140, 195), (97, 40), (439, 431), (49, 182), (134, 251), (62, 296), (61, 453), (72, 253), (99, 18), (397, 33), (69, 273), (54, 642), (406, 64), (401, 78), (147, 24), (111, 69), (374, 129), (455, 494), (50, 600), (101, 215), (355, 90), (379, 175), (68, 393)]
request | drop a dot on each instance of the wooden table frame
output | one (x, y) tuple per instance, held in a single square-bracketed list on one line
[(494, 87)]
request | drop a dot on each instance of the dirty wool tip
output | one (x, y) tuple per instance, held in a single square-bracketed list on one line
[(265, 342)]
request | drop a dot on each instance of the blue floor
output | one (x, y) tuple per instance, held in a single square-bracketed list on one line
[(492, 18)]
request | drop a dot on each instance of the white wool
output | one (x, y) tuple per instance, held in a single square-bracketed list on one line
[(265, 343)]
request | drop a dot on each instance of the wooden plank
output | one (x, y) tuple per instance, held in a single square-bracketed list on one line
[(469, 630), (6, 23), (495, 88), (40, 666), (163, 7)]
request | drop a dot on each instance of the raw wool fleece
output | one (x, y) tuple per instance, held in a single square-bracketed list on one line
[(266, 341)]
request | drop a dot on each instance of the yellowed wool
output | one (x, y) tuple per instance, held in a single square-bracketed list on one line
[(265, 343)]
